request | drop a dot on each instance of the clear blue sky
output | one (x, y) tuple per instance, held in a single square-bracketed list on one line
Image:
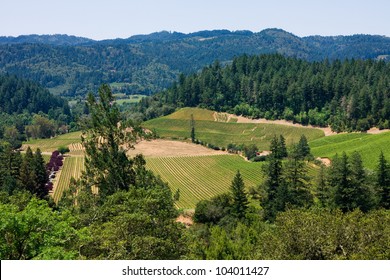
[(108, 19)]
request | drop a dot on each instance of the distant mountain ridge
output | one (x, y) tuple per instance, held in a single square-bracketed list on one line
[(149, 63), (71, 40), (57, 40)]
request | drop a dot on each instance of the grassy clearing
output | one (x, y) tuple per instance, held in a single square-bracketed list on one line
[(201, 177), (221, 134), (50, 145), (368, 145), (129, 99)]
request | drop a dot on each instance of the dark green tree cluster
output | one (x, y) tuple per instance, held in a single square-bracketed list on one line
[(26, 172), (298, 234), (19, 95), (223, 208), (350, 95), (383, 181), (347, 186), (278, 147), (287, 183)]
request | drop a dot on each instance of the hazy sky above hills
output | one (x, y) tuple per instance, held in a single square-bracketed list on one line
[(108, 19)]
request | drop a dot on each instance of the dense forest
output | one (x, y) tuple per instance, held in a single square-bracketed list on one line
[(150, 63), (29, 110), (120, 210), (348, 95)]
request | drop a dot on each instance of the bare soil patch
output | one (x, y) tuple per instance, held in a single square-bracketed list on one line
[(186, 220), (170, 148), (376, 130), (327, 130), (325, 161)]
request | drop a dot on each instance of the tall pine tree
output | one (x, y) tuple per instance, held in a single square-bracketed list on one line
[(383, 181), (240, 200), (274, 192), (41, 176), (27, 175)]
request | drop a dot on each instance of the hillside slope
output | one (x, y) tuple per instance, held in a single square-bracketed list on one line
[(149, 63)]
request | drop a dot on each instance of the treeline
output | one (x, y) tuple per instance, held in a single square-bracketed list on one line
[(28, 110), (19, 95), (350, 95)]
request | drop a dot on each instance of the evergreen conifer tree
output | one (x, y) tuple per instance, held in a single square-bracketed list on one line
[(297, 183), (383, 181), (240, 200), (193, 138), (27, 175), (40, 174), (282, 147), (273, 188), (303, 147), (322, 187)]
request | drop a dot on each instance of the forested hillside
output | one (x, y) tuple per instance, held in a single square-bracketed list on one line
[(149, 63), (348, 95), (19, 95), (29, 110)]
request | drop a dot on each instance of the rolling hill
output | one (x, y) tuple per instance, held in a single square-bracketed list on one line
[(149, 63), (222, 133)]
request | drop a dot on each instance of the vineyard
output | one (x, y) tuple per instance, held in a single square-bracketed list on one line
[(50, 145), (368, 145), (201, 177), (221, 133), (73, 166), (197, 113)]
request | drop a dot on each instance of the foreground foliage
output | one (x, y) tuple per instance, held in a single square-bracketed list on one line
[(315, 234)]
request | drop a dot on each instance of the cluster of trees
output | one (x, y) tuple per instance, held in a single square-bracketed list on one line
[(26, 172), (28, 110), (296, 234), (20, 95), (348, 95)]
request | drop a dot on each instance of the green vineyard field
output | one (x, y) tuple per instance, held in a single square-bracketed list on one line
[(368, 145), (73, 166), (201, 177), (177, 126), (50, 145)]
